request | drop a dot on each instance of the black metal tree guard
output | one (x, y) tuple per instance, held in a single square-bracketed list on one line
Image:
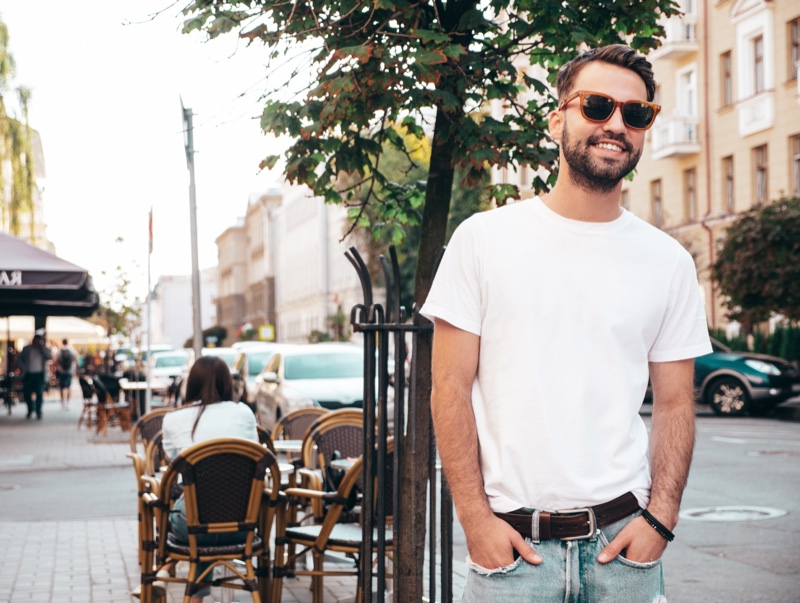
[(381, 324)]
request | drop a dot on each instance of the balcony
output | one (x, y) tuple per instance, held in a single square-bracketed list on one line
[(674, 137), (680, 40), (756, 113)]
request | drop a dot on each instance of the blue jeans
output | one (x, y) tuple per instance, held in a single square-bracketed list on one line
[(178, 528), (570, 573)]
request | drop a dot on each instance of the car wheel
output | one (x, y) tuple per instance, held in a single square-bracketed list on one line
[(728, 397)]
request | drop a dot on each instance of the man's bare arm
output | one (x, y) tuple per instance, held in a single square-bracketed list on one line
[(671, 448), (672, 436), (490, 540)]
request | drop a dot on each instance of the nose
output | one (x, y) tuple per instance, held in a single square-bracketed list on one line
[(615, 123)]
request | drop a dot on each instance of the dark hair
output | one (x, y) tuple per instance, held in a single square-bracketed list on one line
[(614, 54), (64, 341), (209, 382)]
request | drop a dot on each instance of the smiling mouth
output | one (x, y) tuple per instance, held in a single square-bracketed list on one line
[(609, 147)]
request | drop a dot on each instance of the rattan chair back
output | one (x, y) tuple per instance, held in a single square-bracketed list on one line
[(223, 484), (147, 427), (338, 434)]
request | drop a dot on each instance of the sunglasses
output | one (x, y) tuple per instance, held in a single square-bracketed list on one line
[(596, 107)]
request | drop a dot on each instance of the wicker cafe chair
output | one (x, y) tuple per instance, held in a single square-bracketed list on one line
[(109, 412), (264, 438), (338, 434), (293, 425), (89, 411), (334, 535), (144, 431), (223, 486), (147, 427)]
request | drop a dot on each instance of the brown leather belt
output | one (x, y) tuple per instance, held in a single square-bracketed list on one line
[(573, 524)]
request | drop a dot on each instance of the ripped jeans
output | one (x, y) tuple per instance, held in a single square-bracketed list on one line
[(570, 573)]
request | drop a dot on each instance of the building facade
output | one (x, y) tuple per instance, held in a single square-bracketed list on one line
[(172, 305), (232, 279), (283, 272), (259, 223), (314, 279), (728, 136)]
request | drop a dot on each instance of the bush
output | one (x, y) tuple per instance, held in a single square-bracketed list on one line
[(783, 342)]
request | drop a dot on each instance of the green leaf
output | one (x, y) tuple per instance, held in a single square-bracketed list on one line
[(269, 162)]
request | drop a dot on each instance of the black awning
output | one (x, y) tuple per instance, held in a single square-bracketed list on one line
[(34, 282)]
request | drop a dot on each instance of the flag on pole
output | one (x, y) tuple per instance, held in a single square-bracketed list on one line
[(150, 230)]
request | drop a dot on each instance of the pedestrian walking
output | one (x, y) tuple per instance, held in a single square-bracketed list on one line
[(32, 362), (65, 369), (540, 365)]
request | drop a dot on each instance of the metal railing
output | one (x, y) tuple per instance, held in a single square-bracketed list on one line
[(385, 328)]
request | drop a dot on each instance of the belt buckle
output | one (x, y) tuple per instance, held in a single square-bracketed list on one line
[(591, 534)]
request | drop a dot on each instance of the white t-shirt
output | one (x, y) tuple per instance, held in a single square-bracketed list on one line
[(220, 420), (569, 314)]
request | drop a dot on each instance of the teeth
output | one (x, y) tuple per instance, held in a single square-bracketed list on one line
[(610, 147)]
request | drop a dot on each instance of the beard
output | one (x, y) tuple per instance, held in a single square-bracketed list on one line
[(590, 173)]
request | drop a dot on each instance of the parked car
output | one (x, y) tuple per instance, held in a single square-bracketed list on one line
[(227, 354), (164, 367), (736, 383), (249, 362), (328, 375)]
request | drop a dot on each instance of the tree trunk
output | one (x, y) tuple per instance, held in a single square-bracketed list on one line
[(414, 465)]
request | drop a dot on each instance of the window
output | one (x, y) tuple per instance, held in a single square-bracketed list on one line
[(760, 174), (727, 184), (726, 74), (690, 194), (758, 64), (656, 203), (794, 172), (687, 91), (794, 48)]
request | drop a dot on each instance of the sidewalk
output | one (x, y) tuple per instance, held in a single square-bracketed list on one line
[(90, 560)]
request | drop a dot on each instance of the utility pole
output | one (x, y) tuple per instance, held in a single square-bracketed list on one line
[(188, 143)]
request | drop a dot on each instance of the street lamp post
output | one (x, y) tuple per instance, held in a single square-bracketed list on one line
[(188, 142)]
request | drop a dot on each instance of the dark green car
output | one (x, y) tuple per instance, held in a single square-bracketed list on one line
[(735, 383)]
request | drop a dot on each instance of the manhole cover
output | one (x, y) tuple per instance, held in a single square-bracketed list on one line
[(732, 513), (9, 487)]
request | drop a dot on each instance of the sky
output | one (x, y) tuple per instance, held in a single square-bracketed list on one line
[(107, 79)]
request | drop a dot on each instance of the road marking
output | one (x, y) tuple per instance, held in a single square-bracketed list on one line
[(730, 440)]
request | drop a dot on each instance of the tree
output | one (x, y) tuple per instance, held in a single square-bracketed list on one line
[(409, 170), (15, 147), (375, 63), (118, 313), (758, 265)]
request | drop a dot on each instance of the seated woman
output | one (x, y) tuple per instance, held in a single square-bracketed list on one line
[(209, 389)]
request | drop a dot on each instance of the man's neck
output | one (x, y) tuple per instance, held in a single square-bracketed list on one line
[(576, 203)]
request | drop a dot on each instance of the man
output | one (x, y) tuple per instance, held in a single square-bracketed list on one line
[(32, 362), (540, 365), (64, 371)]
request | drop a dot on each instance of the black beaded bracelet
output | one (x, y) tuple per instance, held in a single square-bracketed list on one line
[(658, 526)]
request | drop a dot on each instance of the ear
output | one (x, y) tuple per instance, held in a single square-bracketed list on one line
[(556, 123)]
